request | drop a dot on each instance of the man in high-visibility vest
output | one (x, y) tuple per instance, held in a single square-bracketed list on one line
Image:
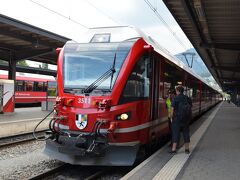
[(171, 94)]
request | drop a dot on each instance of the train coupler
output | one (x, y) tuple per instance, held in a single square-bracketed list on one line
[(96, 148), (91, 147)]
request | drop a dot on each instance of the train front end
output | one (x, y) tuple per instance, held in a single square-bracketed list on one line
[(87, 116)]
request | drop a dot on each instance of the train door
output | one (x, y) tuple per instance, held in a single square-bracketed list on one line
[(154, 86)]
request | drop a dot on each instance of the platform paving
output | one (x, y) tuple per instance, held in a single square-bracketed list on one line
[(217, 155), (23, 114), (215, 151), (23, 120)]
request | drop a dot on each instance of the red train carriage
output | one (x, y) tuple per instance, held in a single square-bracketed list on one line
[(29, 89), (111, 97)]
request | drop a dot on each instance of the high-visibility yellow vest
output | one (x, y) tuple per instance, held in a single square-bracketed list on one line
[(168, 103)]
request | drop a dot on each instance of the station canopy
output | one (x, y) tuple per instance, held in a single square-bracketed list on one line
[(213, 27), (21, 41)]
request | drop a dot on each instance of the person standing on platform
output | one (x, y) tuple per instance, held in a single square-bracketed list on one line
[(171, 94), (180, 117)]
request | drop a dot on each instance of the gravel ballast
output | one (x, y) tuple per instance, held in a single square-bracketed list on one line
[(24, 161)]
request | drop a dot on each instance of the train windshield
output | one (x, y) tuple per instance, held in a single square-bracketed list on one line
[(93, 67)]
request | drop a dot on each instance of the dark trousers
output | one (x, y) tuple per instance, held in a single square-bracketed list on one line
[(170, 128), (170, 125), (176, 129)]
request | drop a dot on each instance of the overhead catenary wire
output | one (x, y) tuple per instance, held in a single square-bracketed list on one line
[(197, 63), (53, 11), (105, 14), (165, 23)]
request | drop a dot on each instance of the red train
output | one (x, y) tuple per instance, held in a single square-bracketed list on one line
[(30, 89), (111, 97)]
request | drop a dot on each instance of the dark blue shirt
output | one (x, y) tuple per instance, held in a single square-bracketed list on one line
[(176, 101)]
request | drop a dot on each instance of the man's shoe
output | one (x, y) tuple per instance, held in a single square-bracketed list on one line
[(172, 152), (187, 151)]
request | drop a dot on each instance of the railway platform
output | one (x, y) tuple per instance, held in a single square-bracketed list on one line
[(214, 151), (23, 120)]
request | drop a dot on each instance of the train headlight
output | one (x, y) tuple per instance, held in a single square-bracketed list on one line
[(123, 116)]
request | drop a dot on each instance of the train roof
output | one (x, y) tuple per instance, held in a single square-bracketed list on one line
[(122, 33), (27, 77)]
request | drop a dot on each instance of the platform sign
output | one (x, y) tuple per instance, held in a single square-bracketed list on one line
[(6, 95)]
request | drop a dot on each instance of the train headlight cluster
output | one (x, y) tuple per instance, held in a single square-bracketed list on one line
[(123, 116)]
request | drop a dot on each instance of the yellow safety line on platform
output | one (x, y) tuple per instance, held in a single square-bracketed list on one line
[(176, 163)]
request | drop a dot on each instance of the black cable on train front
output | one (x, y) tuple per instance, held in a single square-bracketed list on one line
[(50, 124), (34, 131)]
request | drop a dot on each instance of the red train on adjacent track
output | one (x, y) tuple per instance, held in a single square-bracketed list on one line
[(111, 97), (29, 89)]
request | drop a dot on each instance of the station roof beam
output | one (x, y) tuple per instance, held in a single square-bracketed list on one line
[(212, 26), (21, 41)]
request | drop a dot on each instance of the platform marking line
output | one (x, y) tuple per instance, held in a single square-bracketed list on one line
[(176, 163)]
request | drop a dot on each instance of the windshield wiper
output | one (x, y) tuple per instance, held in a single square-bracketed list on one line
[(102, 78), (113, 71)]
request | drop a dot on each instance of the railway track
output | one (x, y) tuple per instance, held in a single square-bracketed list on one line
[(18, 139), (49, 173), (62, 172), (96, 175), (67, 171)]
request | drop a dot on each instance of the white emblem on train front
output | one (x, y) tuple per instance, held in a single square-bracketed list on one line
[(81, 121)]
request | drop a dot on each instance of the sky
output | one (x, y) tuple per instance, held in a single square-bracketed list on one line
[(71, 18)]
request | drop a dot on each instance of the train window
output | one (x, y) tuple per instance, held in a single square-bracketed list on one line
[(29, 85), (138, 83), (204, 92), (51, 88), (167, 86), (172, 77), (191, 86), (194, 84), (19, 85), (35, 86), (40, 86), (188, 91), (85, 63), (44, 86)]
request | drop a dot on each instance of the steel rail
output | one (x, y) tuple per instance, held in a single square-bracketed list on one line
[(18, 139)]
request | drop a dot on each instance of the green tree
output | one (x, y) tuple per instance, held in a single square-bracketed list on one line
[(3, 62), (22, 63), (44, 65)]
